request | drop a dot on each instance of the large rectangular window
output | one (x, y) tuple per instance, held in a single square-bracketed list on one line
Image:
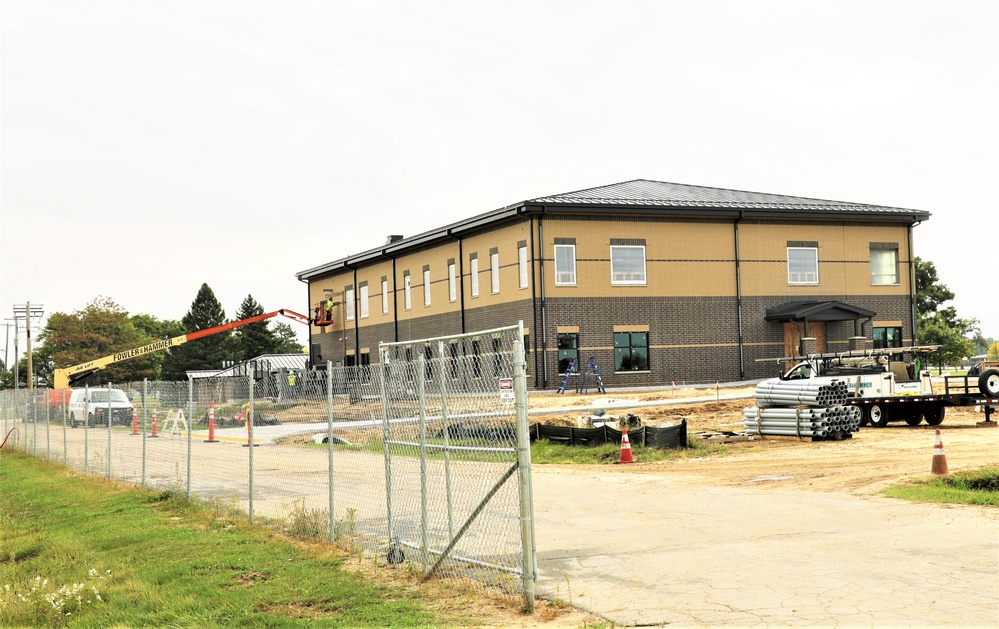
[(627, 265), (426, 287), (348, 301), (494, 270), (385, 296), (364, 301), (568, 350), (565, 265), (889, 336), (522, 265), (473, 275), (884, 264), (452, 282), (802, 265), (631, 351), (407, 291)]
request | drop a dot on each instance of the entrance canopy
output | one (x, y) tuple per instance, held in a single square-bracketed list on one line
[(794, 311)]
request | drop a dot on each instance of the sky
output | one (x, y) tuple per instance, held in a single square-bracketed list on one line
[(147, 148)]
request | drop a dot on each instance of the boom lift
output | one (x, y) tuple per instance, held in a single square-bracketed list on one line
[(62, 377)]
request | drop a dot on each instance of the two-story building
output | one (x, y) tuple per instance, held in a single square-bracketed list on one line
[(658, 282)]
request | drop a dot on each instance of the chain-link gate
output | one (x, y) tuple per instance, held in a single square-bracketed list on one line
[(457, 456)]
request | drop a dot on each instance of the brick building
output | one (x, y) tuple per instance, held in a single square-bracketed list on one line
[(657, 282)]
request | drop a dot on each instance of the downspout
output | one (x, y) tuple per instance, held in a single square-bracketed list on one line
[(738, 302), (357, 317), (534, 304), (544, 301), (912, 282)]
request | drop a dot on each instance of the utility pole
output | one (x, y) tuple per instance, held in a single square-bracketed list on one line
[(26, 312)]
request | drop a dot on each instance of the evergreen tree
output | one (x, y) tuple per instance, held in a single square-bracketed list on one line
[(254, 339), (287, 340), (209, 352)]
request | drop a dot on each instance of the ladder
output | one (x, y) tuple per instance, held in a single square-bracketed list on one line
[(568, 374), (591, 368)]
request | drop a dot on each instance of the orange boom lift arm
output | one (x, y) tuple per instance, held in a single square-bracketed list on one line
[(62, 377)]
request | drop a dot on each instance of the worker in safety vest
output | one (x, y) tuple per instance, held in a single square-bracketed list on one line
[(329, 308), (291, 384)]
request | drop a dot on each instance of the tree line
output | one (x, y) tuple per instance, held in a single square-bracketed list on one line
[(103, 327)]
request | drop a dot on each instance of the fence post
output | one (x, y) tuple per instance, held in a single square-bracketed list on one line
[(190, 420), (524, 463), (249, 429), (329, 443), (86, 429), (383, 361), (447, 442), (109, 431), (145, 413), (65, 455), (34, 420), (421, 390), (48, 422)]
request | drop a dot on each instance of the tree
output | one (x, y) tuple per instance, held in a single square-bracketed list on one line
[(209, 352), (155, 329), (287, 340), (100, 329), (254, 339), (993, 352), (930, 293), (954, 347)]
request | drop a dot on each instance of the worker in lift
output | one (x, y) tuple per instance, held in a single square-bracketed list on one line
[(329, 308)]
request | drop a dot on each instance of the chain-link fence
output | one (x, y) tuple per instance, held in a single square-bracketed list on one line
[(430, 464)]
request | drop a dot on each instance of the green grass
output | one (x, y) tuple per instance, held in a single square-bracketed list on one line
[(973, 487), (107, 555), (544, 451)]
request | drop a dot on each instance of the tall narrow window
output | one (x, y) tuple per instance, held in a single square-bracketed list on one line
[(627, 265), (565, 265), (802, 265), (364, 301), (473, 275), (568, 351), (631, 351), (385, 295), (426, 287), (884, 264), (452, 282), (494, 270), (348, 301), (407, 288), (522, 264)]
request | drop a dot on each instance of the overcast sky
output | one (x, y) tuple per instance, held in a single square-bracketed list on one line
[(149, 147)]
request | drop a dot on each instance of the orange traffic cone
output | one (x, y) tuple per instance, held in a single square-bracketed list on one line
[(154, 423), (135, 422), (625, 448), (939, 459)]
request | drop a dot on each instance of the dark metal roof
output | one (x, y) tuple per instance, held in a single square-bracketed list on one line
[(817, 311), (639, 196)]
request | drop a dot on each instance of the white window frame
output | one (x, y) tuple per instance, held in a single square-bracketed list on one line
[(408, 291), (569, 280), (877, 278), (522, 265), (385, 297), (494, 272), (426, 288), (628, 278), (473, 270), (348, 304), (802, 278), (364, 301), (452, 282)]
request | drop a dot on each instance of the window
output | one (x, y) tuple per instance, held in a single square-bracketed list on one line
[(522, 264), (887, 337), (364, 301), (452, 282), (627, 265), (565, 265), (348, 300), (426, 287), (568, 349), (802, 265), (407, 291), (474, 276), (494, 270), (385, 296), (631, 351), (884, 265)]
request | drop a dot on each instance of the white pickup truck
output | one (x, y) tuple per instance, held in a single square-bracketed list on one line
[(887, 385)]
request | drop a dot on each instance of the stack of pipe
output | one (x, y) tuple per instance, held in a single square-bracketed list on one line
[(779, 393), (802, 422), (801, 409)]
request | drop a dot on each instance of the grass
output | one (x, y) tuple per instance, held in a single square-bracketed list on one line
[(544, 451), (973, 487), (78, 550)]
